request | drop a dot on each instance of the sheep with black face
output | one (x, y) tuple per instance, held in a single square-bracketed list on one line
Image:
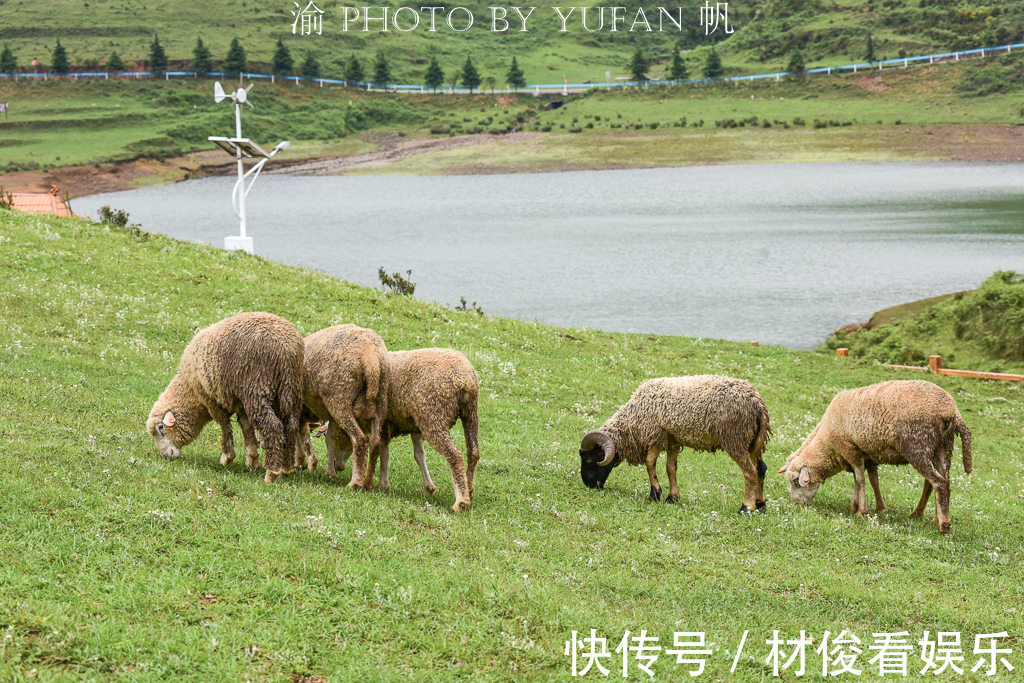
[(702, 412)]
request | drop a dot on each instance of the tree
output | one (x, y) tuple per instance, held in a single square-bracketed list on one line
[(434, 76), (310, 66), (114, 62), (202, 60), (236, 59), (453, 78), (678, 71), (490, 82), (713, 65), (157, 56), (283, 64), (381, 70), (638, 66), (796, 65), (354, 70), (870, 53), (470, 76), (59, 60), (515, 77), (8, 62)]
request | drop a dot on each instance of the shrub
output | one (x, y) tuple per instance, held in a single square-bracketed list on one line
[(797, 121), (574, 129), (440, 130), (396, 283)]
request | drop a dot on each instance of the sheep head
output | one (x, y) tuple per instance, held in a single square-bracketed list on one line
[(174, 422), (161, 428), (597, 458), (803, 485)]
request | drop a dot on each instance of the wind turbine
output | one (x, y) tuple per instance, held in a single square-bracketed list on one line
[(239, 147)]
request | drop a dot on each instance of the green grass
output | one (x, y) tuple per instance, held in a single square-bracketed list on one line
[(118, 565)]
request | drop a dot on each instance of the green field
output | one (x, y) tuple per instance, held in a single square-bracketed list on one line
[(118, 565)]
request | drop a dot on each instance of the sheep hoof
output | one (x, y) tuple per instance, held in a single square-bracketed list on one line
[(672, 499), (271, 477), (655, 494), (460, 505), (945, 527), (914, 514), (744, 510), (252, 463), (761, 505), (227, 458), (312, 463), (429, 490)]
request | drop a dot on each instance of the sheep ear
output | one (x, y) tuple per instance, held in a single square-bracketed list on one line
[(169, 419), (805, 477), (782, 470)]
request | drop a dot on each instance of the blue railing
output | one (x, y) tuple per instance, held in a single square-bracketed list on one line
[(862, 66)]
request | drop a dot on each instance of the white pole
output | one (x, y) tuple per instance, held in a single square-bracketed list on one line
[(241, 173)]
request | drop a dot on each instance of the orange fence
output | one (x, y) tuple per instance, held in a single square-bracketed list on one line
[(935, 365)]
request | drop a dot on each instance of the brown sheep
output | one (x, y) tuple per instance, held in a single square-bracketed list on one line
[(890, 423), (343, 363), (702, 412), (250, 365)]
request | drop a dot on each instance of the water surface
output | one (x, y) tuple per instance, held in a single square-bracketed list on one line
[(782, 254)]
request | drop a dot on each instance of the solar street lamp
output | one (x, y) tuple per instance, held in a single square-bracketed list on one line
[(239, 147)]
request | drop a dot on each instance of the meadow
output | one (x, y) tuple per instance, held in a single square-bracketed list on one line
[(118, 565)]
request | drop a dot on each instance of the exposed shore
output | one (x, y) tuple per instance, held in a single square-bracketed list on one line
[(558, 151)]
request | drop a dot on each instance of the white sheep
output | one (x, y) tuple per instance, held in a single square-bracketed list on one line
[(702, 412), (250, 365), (889, 423)]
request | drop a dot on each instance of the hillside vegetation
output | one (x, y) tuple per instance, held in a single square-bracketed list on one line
[(119, 565), (978, 330)]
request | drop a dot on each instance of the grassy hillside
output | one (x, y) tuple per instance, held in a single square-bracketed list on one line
[(117, 120), (977, 330), (118, 565), (766, 34)]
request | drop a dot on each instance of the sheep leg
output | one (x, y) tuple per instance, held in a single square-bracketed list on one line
[(227, 439), (873, 478), (652, 475), (941, 485), (252, 454), (343, 420), (471, 428), (420, 454), (274, 440), (442, 442), (333, 446), (856, 459), (385, 461), (923, 503), (762, 469), (750, 476), (671, 453)]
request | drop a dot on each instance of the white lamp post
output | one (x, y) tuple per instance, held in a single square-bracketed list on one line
[(239, 147)]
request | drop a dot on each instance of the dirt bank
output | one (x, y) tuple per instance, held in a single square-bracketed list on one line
[(991, 143)]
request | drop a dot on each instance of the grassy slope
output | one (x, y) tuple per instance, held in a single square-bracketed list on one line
[(976, 330), (118, 565), (110, 121)]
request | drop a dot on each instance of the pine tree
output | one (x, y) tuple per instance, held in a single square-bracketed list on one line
[(470, 76), (515, 76), (236, 60), (354, 70), (678, 71), (434, 76), (59, 60), (796, 65), (283, 64), (310, 66), (157, 56), (713, 65), (870, 56), (638, 66), (381, 70), (202, 60), (8, 62), (114, 62)]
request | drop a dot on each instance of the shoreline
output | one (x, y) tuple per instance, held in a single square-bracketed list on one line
[(394, 154)]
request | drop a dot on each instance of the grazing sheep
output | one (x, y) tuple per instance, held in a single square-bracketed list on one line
[(703, 412), (343, 363), (250, 365), (890, 423)]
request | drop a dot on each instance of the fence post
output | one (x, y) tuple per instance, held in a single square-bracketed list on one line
[(935, 363), (842, 352)]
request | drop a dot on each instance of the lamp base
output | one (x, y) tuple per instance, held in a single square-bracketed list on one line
[(239, 243)]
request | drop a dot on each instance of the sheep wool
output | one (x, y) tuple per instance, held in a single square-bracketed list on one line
[(342, 364), (249, 365), (702, 412), (890, 423)]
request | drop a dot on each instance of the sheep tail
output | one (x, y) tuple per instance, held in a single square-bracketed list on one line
[(965, 442), (762, 428), (372, 372)]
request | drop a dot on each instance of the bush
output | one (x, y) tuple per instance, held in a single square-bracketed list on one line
[(396, 283), (440, 130), (575, 129), (797, 121)]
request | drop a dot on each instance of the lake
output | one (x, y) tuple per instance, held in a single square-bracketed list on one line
[(782, 254)]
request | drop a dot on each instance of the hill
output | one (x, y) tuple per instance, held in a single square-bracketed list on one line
[(118, 564)]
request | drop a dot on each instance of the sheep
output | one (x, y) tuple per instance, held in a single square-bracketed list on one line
[(343, 363), (890, 423), (250, 365), (429, 390), (703, 412)]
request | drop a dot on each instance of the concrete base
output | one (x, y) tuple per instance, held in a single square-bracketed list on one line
[(239, 243)]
